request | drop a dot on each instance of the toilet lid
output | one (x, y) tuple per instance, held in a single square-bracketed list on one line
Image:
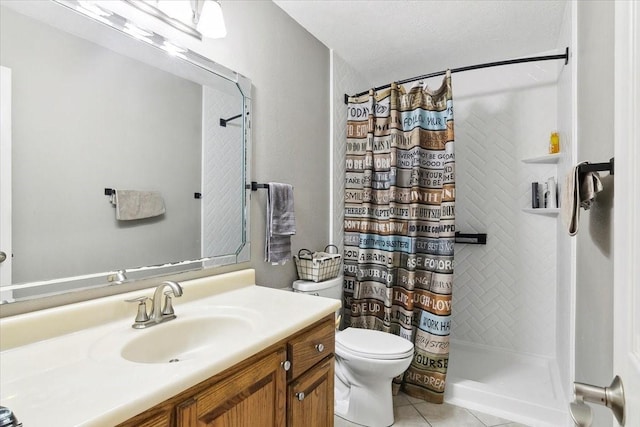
[(373, 344)]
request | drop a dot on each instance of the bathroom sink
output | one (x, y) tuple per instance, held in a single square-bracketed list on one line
[(197, 333), (186, 338)]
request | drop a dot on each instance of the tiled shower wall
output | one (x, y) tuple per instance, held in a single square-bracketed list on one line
[(505, 292)]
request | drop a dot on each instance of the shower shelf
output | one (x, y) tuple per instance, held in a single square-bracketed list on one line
[(547, 158), (543, 211)]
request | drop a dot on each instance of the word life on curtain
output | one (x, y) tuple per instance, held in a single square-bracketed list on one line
[(399, 224)]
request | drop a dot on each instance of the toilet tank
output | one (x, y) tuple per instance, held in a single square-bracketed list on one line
[(331, 288)]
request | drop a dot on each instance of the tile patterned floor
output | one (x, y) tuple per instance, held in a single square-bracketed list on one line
[(411, 412)]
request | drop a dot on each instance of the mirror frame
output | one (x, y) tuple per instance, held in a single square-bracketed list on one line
[(59, 14)]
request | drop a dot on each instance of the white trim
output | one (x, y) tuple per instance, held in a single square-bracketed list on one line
[(626, 298), (573, 250), (5, 178), (332, 148)]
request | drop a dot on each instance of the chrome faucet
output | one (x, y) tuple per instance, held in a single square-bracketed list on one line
[(158, 313)]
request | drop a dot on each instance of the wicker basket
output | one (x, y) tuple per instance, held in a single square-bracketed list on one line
[(318, 266)]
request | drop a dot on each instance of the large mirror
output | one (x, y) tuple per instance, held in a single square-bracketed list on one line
[(92, 110)]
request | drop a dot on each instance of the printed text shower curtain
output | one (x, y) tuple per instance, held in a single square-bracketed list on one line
[(399, 224)]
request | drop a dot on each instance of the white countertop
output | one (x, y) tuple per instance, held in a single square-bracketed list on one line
[(80, 379)]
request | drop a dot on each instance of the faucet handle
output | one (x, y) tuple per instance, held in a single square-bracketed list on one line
[(142, 315), (168, 306)]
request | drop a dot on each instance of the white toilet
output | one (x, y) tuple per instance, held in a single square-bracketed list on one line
[(366, 363)]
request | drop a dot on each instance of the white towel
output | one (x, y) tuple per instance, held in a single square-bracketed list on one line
[(578, 191), (133, 204), (281, 223)]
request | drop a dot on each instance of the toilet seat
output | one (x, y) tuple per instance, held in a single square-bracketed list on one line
[(372, 344)]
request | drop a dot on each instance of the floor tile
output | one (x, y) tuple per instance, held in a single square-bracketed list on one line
[(413, 400), (408, 416), (446, 415), (401, 399), (489, 420), (411, 412), (341, 422)]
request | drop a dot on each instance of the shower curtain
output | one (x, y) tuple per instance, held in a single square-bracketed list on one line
[(399, 225)]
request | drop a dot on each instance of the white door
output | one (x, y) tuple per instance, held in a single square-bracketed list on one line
[(5, 178), (626, 328)]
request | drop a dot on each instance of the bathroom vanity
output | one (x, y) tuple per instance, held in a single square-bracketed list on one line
[(289, 383), (237, 354)]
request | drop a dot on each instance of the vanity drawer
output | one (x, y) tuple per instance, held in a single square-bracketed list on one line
[(310, 348)]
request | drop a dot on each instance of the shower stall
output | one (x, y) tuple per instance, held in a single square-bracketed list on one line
[(512, 307), (511, 354)]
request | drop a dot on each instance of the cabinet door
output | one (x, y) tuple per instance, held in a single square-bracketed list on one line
[(160, 418), (253, 397), (311, 397)]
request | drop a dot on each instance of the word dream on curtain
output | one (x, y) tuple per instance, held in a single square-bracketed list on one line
[(399, 225)]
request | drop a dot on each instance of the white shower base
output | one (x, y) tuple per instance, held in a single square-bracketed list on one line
[(515, 386)]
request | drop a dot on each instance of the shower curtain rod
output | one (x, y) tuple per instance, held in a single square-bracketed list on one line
[(564, 56)]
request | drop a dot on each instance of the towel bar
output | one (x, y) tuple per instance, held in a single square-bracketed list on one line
[(597, 167), (254, 186), (223, 122)]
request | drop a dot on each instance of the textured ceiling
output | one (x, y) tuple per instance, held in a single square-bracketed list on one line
[(392, 40)]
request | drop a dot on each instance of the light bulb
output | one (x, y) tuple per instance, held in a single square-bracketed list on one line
[(211, 22)]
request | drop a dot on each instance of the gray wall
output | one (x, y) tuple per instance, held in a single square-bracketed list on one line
[(85, 118), (289, 70), (594, 278)]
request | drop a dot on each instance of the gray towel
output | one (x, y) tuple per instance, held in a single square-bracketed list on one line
[(281, 223), (133, 204), (578, 191)]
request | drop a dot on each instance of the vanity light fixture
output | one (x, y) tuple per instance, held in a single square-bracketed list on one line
[(209, 20), (177, 9), (196, 18), (93, 10), (138, 32), (173, 50), (100, 11)]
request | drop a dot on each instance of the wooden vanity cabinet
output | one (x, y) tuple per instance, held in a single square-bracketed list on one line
[(261, 391), (254, 396), (310, 390), (310, 397)]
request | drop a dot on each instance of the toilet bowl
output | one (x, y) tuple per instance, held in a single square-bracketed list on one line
[(366, 363)]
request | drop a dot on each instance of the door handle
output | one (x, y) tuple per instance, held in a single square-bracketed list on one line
[(612, 397), (3, 256)]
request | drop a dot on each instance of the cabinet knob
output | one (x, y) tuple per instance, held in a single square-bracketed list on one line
[(286, 365), (300, 396), (320, 348)]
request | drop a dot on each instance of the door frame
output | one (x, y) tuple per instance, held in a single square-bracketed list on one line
[(626, 302), (5, 178)]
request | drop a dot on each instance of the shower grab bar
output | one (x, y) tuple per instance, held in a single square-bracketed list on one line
[(471, 238)]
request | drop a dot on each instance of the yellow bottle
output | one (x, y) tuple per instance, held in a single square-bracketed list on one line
[(554, 143)]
